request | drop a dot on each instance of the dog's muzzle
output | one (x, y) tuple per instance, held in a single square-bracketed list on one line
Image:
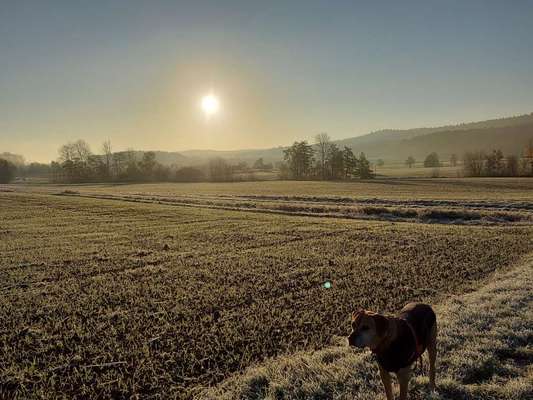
[(353, 342)]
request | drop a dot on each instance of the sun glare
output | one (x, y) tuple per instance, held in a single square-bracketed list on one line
[(210, 104)]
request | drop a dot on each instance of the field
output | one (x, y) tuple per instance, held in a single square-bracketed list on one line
[(485, 352), (166, 289), (418, 171)]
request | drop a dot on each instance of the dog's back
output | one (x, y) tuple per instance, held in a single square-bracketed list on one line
[(422, 318)]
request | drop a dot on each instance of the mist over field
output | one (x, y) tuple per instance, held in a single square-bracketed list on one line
[(266, 200)]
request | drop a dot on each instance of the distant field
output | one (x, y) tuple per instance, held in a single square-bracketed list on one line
[(401, 171), (465, 201), (134, 292), (431, 189)]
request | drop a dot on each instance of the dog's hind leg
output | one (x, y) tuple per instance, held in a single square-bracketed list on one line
[(432, 353)]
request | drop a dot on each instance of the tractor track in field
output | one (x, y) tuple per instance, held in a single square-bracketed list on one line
[(422, 211)]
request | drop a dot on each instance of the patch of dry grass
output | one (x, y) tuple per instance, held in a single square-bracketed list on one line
[(484, 344)]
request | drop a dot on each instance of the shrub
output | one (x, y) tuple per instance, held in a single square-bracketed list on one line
[(432, 161), (7, 171)]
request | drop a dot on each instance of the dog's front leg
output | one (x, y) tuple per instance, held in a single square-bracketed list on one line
[(387, 383), (403, 378)]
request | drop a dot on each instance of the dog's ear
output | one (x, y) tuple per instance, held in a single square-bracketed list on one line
[(355, 314), (382, 324)]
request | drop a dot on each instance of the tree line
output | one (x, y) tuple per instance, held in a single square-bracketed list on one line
[(491, 164), (76, 163), (432, 160), (479, 163), (325, 161), (322, 160)]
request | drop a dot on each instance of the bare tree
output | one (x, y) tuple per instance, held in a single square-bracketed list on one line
[(66, 152), (512, 165), (220, 170), (81, 149), (323, 141), (494, 164), (78, 151), (119, 164), (474, 163), (108, 156)]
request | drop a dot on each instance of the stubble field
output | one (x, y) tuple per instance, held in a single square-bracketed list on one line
[(162, 290)]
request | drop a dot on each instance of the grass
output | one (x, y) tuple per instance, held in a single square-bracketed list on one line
[(484, 347), (102, 297)]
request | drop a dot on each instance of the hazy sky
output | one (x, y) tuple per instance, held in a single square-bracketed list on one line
[(135, 71)]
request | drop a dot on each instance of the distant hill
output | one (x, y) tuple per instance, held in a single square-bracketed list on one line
[(508, 134), (509, 139), (164, 157), (170, 158), (383, 144), (249, 156)]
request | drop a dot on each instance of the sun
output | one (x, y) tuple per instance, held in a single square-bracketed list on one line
[(210, 105)]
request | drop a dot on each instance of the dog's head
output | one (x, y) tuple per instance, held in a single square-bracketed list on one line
[(368, 329)]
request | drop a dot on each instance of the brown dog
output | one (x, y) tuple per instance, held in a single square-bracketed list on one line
[(398, 342)]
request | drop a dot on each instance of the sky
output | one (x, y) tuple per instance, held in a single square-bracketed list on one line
[(134, 72)]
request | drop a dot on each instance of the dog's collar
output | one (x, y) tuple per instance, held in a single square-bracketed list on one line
[(386, 340)]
